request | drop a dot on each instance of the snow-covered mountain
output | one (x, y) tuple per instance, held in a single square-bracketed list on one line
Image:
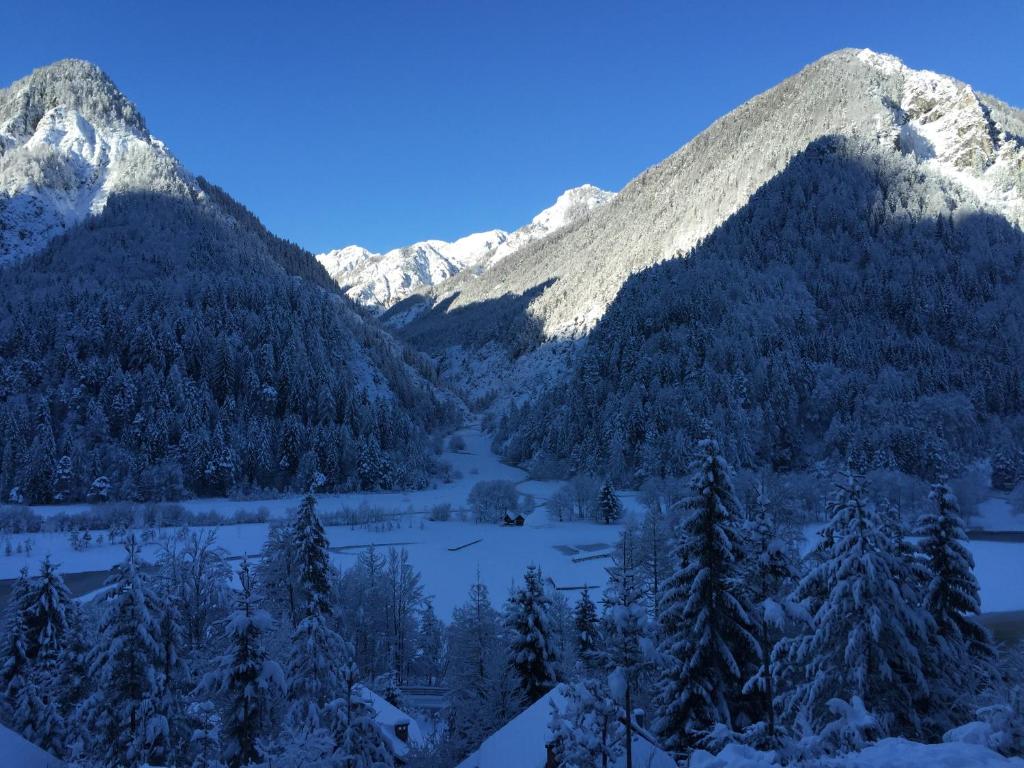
[(121, 270), (380, 280), (68, 140), (949, 128)]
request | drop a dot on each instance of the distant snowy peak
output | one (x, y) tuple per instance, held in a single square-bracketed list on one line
[(380, 280), (951, 130), (68, 140)]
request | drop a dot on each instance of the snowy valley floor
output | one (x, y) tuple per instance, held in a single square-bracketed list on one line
[(571, 554)]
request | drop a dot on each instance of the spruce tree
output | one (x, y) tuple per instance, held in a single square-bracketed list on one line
[(50, 615), (950, 595), (313, 557), (707, 638), (14, 658), (317, 651), (585, 624), (626, 651), (953, 590), (360, 741), (125, 667), (246, 677), (532, 650), (587, 730), (771, 574), (608, 504), (867, 633), (51, 612)]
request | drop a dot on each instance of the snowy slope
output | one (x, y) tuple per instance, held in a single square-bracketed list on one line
[(16, 751), (68, 140), (380, 280), (947, 126)]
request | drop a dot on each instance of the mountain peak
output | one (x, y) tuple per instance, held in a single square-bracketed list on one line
[(73, 84), (69, 139), (383, 279)]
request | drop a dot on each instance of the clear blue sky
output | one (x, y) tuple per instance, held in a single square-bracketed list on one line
[(382, 123)]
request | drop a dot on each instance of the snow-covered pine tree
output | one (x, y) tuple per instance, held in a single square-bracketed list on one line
[(14, 658), (532, 651), (125, 668), (867, 635), (953, 590), (277, 573), (317, 651), (431, 654), (608, 504), (951, 594), (708, 645), (313, 558), (246, 677), (587, 730), (478, 674), (626, 652), (361, 743), (50, 613), (585, 624), (204, 746), (771, 575), (655, 553)]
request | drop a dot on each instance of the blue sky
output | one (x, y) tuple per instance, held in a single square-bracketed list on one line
[(382, 123)]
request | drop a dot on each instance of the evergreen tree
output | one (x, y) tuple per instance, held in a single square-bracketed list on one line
[(771, 574), (50, 612), (532, 651), (626, 652), (15, 660), (478, 674), (125, 668), (317, 651), (360, 742), (951, 594), (707, 637), (587, 730), (608, 505), (867, 634), (246, 676), (431, 646), (313, 558), (585, 624), (953, 590)]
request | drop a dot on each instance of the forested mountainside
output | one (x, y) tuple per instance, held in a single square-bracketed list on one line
[(570, 277), (855, 307), (169, 345)]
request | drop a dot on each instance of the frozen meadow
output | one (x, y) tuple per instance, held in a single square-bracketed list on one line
[(452, 554)]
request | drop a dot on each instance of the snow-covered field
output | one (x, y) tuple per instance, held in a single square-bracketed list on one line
[(501, 554)]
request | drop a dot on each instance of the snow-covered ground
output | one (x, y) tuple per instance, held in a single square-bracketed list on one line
[(501, 554), (18, 753), (997, 514)]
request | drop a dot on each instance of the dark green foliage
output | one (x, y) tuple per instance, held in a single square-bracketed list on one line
[(848, 308), (173, 346)]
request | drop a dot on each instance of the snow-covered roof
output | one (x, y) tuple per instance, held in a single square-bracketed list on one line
[(24, 754), (388, 716), (522, 742)]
